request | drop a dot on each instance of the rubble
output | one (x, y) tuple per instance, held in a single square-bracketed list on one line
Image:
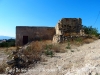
[(20, 60)]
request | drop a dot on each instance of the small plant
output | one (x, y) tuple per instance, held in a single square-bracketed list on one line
[(72, 50), (78, 39), (48, 50), (68, 46)]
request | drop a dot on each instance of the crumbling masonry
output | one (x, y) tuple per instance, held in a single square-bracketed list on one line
[(65, 27), (68, 27)]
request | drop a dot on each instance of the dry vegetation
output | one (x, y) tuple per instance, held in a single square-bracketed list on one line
[(4, 52), (36, 49), (82, 40), (3, 66)]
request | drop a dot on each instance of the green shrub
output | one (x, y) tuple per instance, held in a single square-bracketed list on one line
[(78, 39), (48, 46), (90, 30), (48, 50), (68, 46)]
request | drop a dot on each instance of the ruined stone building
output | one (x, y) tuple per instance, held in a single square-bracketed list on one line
[(65, 27), (25, 34), (68, 27)]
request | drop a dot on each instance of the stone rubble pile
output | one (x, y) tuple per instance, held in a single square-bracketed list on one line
[(21, 60)]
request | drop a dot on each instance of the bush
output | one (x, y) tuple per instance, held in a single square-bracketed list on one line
[(90, 30), (48, 50), (68, 46)]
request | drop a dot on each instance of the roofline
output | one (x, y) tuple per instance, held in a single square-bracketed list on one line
[(35, 26)]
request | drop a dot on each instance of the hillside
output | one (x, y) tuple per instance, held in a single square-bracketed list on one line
[(79, 60), (6, 37), (83, 60)]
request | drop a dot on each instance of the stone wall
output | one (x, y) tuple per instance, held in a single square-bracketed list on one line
[(33, 34), (65, 27), (68, 25)]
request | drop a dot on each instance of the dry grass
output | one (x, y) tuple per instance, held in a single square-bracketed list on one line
[(59, 48), (33, 52), (39, 47), (88, 40), (82, 40), (56, 48), (36, 46), (47, 42), (35, 49), (3, 67), (7, 48), (8, 51)]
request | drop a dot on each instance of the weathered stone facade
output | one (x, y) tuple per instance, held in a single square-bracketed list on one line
[(68, 27), (25, 34), (65, 27)]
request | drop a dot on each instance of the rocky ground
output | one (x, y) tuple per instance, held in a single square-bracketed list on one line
[(3, 56), (83, 60)]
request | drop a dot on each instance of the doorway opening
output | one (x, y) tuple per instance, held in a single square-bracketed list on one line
[(25, 40)]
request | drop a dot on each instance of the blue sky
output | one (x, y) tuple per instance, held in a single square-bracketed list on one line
[(45, 13)]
